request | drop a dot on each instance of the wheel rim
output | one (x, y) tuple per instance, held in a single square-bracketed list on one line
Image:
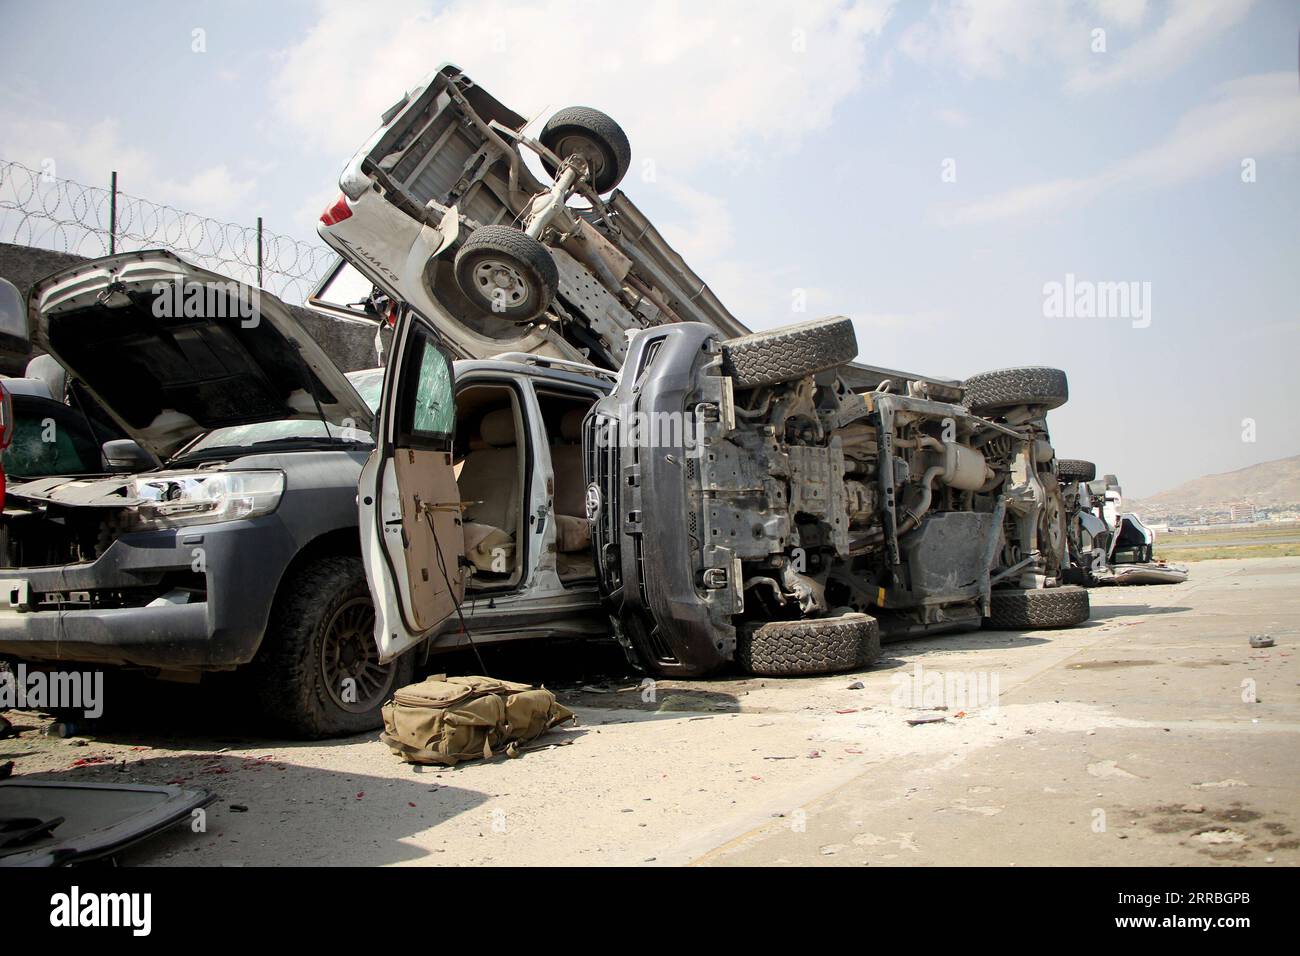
[(500, 280), (348, 653)]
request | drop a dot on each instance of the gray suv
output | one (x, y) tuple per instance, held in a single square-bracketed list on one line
[(223, 536), (748, 507)]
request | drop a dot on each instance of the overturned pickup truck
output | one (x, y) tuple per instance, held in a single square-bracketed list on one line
[(1106, 545), (439, 210), (746, 505)]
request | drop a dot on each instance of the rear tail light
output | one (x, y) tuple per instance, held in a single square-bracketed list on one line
[(337, 211)]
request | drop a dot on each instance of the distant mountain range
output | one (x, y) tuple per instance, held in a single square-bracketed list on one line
[(1268, 484)]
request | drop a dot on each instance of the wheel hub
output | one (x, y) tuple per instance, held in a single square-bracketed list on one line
[(500, 281)]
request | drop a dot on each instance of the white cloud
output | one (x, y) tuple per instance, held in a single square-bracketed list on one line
[(690, 83), (1122, 13), (1253, 117), (1190, 25), (981, 38), (89, 154), (954, 118), (706, 232)]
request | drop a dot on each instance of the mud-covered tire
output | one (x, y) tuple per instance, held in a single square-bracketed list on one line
[(792, 352), (287, 680), (528, 271), (1034, 608), (596, 137), (1008, 387), (1075, 469), (815, 646)]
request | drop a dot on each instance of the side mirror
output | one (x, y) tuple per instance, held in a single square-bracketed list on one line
[(124, 455)]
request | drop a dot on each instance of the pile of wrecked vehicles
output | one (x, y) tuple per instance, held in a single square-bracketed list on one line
[(1106, 544), (570, 436)]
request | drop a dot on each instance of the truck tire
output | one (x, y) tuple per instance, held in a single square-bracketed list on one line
[(1009, 387), (1033, 608), (506, 273), (793, 352), (1075, 469), (814, 646), (320, 628), (594, 136)]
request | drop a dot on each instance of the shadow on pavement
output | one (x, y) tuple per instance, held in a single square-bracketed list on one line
[(318, 817)]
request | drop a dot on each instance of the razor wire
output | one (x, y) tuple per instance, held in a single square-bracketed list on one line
[(42, 210)]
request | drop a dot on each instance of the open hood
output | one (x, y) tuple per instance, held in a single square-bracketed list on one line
[(173, 351)]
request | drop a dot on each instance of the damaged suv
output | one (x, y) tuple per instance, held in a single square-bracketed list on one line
[(229, 540), (221, 534), (747, 506)]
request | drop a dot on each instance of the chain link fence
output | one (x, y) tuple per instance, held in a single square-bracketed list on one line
[(39, 209)]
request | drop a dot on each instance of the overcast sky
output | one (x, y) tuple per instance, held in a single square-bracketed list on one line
[(928, 169)]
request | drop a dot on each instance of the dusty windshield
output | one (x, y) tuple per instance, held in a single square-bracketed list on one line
[(368, 384)]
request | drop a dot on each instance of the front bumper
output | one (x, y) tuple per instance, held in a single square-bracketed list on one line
[(649, 553), (50, 613)]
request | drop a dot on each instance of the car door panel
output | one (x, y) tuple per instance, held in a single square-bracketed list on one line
[(409, 505)]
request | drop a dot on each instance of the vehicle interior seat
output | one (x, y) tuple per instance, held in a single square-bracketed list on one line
[(572, 531), (489, 479)]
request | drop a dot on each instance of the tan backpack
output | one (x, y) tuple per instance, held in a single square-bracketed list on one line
[(444, 720)]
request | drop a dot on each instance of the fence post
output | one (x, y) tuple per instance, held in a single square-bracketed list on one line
[(259, 252), (112, 215)]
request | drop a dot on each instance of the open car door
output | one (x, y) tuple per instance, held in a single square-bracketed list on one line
[(412, 540)]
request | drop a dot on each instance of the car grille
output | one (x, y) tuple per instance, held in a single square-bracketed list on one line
[(603, 466)]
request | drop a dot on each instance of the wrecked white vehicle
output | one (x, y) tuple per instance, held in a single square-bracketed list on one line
[(1107, 545), (439, 210)]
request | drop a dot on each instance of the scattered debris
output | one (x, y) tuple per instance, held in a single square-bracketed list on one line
[(917, 721), (1261, 640), (238, 808), (856, 685)]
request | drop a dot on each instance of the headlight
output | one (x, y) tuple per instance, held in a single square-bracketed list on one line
[(203, 497)]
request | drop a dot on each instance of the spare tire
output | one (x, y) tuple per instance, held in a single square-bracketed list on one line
[(792, 352), (592, 135), (1075, 469), (1009, 387), (506, 273), (1015, 609), (813, 646)]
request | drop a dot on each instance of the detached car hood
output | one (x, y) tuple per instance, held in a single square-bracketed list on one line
[(173, 351)]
